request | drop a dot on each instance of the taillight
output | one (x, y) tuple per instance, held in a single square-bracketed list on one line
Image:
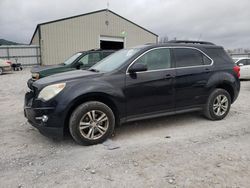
[(237, 70), (9, 62)]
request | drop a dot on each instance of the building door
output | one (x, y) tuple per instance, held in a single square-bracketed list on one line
[(111, 43)]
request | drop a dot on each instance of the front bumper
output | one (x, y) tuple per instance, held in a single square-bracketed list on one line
[(30, 82), (34, 110)]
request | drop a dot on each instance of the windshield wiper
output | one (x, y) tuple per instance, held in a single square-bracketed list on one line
[(94, 70)]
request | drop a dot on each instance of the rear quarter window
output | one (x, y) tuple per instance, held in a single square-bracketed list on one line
[(219, 55)]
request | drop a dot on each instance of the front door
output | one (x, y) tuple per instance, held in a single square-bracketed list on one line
[(151, 91)]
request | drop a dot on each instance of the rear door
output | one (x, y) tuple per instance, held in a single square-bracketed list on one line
[(193, 69), (152, 90)]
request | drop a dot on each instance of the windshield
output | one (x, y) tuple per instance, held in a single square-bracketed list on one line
[(72, 59), (115, 60)]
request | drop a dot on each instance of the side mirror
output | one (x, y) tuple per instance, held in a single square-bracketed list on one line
[(78, 65), (241, 64), (137, 67)]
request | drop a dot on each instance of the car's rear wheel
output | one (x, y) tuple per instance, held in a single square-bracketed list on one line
[(91, 123), (1, 71), (218, 105)]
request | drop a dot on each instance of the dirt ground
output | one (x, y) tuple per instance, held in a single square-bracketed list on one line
[(177, 151)]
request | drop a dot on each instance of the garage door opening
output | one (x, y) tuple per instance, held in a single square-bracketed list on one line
[(111, 45)]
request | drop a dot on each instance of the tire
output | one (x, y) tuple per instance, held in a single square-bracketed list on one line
[(84, 126), (218, 105), (1, 71)]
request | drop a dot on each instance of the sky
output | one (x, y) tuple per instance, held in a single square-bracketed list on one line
[(223, 22)]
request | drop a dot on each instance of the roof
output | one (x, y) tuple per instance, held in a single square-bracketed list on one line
[(62, 19), (195, 45)]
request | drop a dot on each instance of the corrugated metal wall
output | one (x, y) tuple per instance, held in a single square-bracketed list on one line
[(61, 39), (26, 55), (35, 40)]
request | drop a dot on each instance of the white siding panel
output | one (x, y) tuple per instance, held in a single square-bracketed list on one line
[(35, 40), (63, 38)]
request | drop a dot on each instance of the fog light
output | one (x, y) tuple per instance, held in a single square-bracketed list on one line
[(44, 118)]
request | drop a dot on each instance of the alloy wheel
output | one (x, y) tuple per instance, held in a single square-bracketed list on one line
[(94, 124), (220, 105)]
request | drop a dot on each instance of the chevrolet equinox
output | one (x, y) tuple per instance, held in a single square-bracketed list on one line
[(142, 82)]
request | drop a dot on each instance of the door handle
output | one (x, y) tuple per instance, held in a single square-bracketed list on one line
[(207, 70), (168, 76)]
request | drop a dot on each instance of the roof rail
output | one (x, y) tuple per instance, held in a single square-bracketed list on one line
[(191, 42), (95, 49)]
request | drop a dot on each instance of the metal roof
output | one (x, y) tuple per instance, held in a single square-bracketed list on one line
[(58, 20)]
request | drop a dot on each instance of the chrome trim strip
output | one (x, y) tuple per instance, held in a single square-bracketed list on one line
[(171, 47)]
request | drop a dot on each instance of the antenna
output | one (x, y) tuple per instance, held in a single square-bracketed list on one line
[(107, 5), (107, 11), (199, 37)]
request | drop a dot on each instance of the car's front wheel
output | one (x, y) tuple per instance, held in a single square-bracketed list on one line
[(1, 71), (91, 123), (218, 105)]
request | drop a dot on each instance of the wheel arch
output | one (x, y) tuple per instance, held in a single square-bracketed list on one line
[(95, 96), (228, 87)]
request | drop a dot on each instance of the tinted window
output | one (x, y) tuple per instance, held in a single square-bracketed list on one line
[(206, 60), (156, 59), (186, 57), (219, 55)]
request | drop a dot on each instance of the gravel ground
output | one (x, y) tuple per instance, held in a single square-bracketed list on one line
[(176, 151)]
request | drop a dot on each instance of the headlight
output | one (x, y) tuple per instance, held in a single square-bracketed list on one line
[(35, 76), (51, 91)]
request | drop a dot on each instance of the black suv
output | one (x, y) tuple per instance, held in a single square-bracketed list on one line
[(132, 84)]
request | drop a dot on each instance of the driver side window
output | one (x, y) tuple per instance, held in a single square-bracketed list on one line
[(156, 59), (90, 59)]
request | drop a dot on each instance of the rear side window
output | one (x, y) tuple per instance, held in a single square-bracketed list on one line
[(242, 62), (186, 57), (156, 59), (248, 61)]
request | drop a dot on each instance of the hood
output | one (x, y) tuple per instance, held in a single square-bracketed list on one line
[(65, 77), (39, 68)]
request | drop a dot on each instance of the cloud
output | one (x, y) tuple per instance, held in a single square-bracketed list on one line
[(223, 22)]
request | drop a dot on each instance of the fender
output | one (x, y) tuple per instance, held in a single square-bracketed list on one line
[(224, 80), (93, 89)]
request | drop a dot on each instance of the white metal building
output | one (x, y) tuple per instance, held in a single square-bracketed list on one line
[(103, 29)]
